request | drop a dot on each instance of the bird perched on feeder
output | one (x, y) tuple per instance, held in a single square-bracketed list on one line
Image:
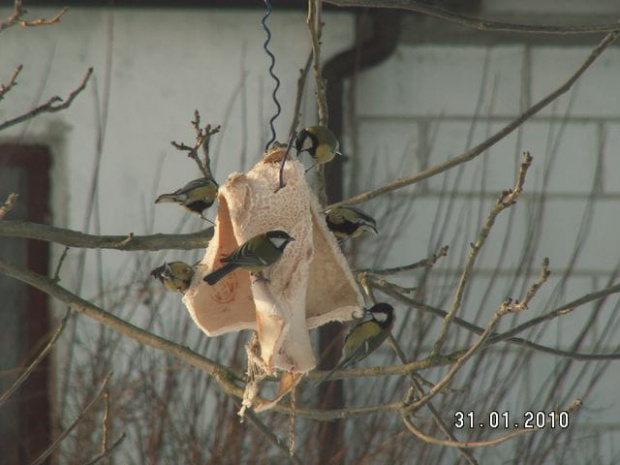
[(365, 337), (257, 253), (175, 276), (196, 196), (319, 142), (349, 222)]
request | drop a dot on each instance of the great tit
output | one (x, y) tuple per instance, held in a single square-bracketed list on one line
[(176, 276), (349, 222), (254, 255), (196, 196), (319, 142), (365, 337)]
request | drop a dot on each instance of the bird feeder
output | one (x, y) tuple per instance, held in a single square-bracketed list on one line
[(310, 285)]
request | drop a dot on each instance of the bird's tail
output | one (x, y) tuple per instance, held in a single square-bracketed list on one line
[(218, 274), (166, 198), (328, 375)]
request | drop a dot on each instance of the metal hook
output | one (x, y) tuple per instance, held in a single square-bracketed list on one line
[(275, 78)]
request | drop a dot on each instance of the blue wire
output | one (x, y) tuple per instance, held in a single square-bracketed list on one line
[(275, 78)]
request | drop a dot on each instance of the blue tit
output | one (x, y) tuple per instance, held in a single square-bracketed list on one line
[(319, 142), (349, 222), (176, 276), (196, 196), (365, 337), (257, 253)]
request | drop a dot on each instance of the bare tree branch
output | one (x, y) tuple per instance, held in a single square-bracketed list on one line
[(44, 284), (480, 148), (505, 308), (434, 412), (51, 106), (424, 7), (301, 83), (107, 452), (66, 237), (424, 263), (271, 437), (105, 421), (225, 377), (5, 88), (18, 12), (77, 419), (61, 260), (507, 336), (26, 373), (506, 199), (315, 26), (563, 310), (203, 139)]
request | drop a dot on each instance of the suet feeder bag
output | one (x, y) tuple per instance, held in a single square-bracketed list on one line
[(309, 286)]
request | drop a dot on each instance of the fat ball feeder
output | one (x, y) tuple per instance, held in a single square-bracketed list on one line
[(310, 285)]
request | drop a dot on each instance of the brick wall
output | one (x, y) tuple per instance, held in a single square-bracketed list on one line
[(427, 104)]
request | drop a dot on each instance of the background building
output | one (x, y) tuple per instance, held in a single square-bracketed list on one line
[(432, 91)]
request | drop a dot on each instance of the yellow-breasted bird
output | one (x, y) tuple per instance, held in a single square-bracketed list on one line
[(257, 253), (196, 196), (319, 142), (176, 276), (365, 337), (349, 222)]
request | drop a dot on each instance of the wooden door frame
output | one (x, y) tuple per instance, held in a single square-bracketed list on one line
[(35, 409)]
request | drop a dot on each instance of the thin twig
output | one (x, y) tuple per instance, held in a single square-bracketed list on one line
[(53, 105), (130, 242), (18, 12), (26, 373), (203, 139), (73, 424), (507, 336), (423, 6), (506, 199), (434, 413), (226, 378), (508, 306), (291, 425), (5, 88), (542, 279), (315, 27), (562, 310), (281, 183), (505, 308), (43, 21), (425, 263), (271, 437), (301, 84), (105, 421), (61, 260), (87, 308), (8, 205), (107, 452), (483, 146)]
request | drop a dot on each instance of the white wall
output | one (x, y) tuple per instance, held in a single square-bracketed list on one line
[(425, 113), (162, 65)]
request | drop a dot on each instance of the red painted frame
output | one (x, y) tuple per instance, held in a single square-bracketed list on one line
[(35, 408)]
